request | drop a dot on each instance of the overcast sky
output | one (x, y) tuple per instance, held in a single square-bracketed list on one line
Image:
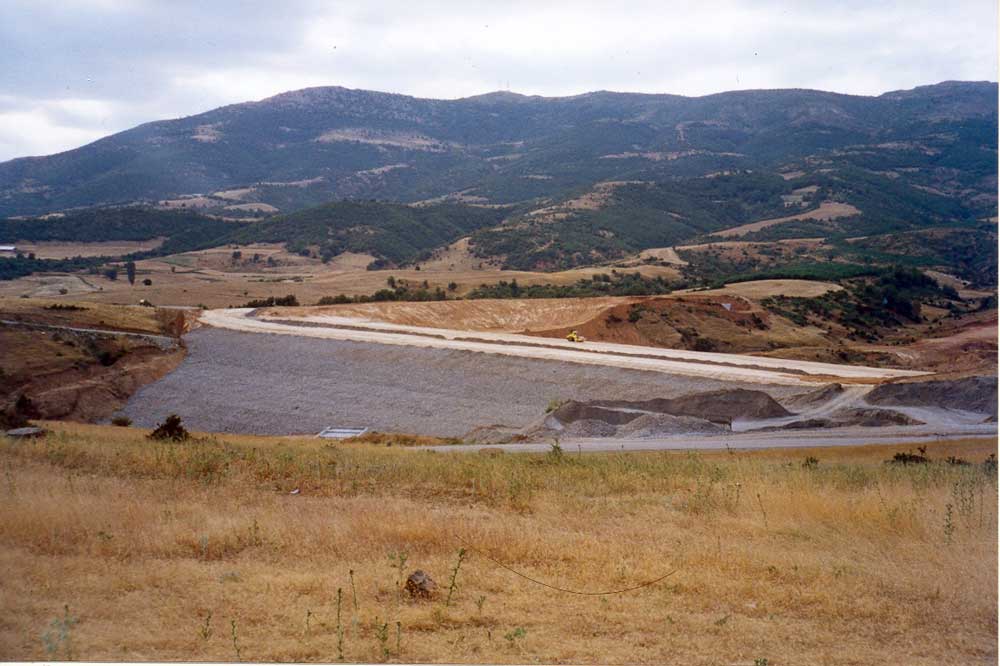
[(72, 71)]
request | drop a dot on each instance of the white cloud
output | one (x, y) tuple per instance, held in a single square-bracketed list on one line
[(34, 133)]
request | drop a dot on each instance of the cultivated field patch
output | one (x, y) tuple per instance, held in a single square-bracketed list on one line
[(828, 210)]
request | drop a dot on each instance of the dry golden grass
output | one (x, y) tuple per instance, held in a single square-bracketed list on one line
[(849, 562), (88, 315), (510, 314), (760, 289), (211, 278), (32, 352), (65, 250)]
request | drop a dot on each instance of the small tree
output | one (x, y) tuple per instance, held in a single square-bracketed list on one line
[(171, 429), (111, 273), (130, 271)]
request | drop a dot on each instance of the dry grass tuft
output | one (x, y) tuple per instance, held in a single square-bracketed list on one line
[(197, 551)]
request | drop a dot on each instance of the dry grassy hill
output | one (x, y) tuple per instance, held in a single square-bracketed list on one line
[(81, 361)]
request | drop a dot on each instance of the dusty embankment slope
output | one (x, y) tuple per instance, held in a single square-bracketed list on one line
[(486, 369), (271, 375), (80, 362), (732, 367), (240, 382)]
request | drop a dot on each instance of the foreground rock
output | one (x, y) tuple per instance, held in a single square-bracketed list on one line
[(419, 585)]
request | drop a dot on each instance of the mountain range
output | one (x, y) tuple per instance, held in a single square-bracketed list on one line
[(311, 146), (542, 183)]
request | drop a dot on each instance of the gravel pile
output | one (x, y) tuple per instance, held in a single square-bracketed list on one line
[(663, 425), (590, 428), (281, 384)]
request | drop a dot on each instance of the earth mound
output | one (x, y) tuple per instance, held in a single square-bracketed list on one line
[(972, 394), (864, 417), (698, 413), (815, 397), (722, 406), (573, 411), (872, 418), (492, 434)]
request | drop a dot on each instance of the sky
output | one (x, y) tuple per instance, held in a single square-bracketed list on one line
[(72, 71)]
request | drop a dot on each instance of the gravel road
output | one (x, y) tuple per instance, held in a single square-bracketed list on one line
[(258, 383), (743, 441)]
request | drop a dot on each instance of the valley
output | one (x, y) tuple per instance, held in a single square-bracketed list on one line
[(635, 378)]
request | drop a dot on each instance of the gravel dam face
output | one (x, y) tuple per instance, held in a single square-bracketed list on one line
[(280, 384)]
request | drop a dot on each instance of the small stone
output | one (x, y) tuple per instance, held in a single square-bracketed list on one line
[(420, 585)]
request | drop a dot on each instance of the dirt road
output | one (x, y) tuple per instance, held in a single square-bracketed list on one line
[(743, 441), (709, 365)]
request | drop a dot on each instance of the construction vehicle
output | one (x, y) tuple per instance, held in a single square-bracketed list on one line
[(575, 337)]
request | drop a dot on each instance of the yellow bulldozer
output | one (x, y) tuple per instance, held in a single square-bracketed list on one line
[(575, 337)]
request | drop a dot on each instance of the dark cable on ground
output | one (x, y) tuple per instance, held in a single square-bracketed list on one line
[(562, 589)]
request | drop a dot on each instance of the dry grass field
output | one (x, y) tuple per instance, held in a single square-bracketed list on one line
[(115, 547), (64, 250), (760, 289), (214, 279), (89, 315)]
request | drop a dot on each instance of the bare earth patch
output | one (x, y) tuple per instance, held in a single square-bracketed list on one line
[(261, 207), (665, 254), (758, 289), (509, 315), (457, 256), (63, 250), (828, 210), (213, 278)]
